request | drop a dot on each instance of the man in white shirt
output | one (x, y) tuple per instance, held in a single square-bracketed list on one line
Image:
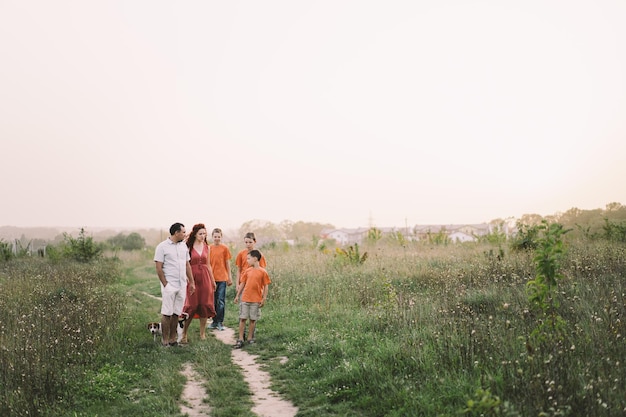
[(172, 265)]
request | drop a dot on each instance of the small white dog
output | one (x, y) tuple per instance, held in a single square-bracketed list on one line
[(155, 328)]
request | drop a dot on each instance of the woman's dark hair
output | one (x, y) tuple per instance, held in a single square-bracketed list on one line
[(192, 236)]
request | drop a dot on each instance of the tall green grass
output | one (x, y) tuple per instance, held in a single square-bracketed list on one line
[(81, 347), (56, 317), (418, 331), (414, 330)]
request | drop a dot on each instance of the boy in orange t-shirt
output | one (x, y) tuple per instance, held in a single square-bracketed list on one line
[(253, 287), (220, 263), (249, 240)]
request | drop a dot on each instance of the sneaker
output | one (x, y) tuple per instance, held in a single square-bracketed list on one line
[(212, 326), (239, 344), (220, 326)]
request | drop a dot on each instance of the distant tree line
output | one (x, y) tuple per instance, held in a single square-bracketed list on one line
[(597, 224), (608, 224), (82, 248), (298, 232), (127, 242)]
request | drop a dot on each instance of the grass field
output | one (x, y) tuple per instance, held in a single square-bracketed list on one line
[(413, 330)]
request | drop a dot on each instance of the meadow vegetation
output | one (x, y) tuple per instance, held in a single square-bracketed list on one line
[(529, 327), (472, 329)]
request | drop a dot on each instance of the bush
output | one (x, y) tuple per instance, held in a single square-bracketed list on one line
[(6, 251), (81, 249)]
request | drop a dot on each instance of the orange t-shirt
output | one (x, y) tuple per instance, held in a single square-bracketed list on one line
[(220, 256), (254, 279), (242, 261)]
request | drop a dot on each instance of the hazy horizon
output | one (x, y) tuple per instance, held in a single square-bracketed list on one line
[(233, 228), (138, 114)]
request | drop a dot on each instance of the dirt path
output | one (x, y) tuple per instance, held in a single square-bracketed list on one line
[(151, 296), (267, 403), (193, 393)]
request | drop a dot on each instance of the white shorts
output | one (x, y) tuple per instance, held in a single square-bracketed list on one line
[(172, 299)]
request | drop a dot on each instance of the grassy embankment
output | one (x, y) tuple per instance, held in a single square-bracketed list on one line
[(412, 331)]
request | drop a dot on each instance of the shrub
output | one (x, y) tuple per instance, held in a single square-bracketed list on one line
[(6, 251), (525, 238), (351, 255), (81, 249)]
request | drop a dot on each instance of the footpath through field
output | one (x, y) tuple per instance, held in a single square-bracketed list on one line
[(267, 403)]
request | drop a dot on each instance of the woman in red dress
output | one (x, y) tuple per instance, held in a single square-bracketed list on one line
[(200, 304)]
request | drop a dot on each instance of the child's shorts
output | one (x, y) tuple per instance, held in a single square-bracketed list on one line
[(250, 311)]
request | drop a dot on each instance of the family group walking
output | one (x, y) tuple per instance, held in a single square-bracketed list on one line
[(194, 276)]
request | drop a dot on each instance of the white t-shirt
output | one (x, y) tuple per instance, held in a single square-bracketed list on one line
[(174, 257)]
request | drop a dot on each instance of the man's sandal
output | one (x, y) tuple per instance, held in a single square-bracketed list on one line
[(239, 344)]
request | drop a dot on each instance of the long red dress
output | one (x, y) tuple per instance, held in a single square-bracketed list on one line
[(200, 304)]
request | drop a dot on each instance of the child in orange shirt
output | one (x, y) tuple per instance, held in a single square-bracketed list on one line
[(220, 263), (250, 240), (253, 288)]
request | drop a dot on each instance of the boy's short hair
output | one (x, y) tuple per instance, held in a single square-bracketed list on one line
[(255, 253)]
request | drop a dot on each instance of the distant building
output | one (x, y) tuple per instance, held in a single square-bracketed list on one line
[(454, 232), (346, 236), (458, 236)]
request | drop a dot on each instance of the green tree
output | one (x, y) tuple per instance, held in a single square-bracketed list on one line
[(614, 231), (131, 242), (615, 207), (6, 251), (81, 249), (303, 231), (264, 231), (542, 291), (531, 219), (134, 241)]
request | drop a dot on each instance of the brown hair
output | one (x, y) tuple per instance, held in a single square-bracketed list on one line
[(192, 236)]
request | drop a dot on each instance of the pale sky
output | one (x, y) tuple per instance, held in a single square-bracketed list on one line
[(144, 113)]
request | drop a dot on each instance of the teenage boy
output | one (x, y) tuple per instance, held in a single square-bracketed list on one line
[(220, 263), (252, 287)]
